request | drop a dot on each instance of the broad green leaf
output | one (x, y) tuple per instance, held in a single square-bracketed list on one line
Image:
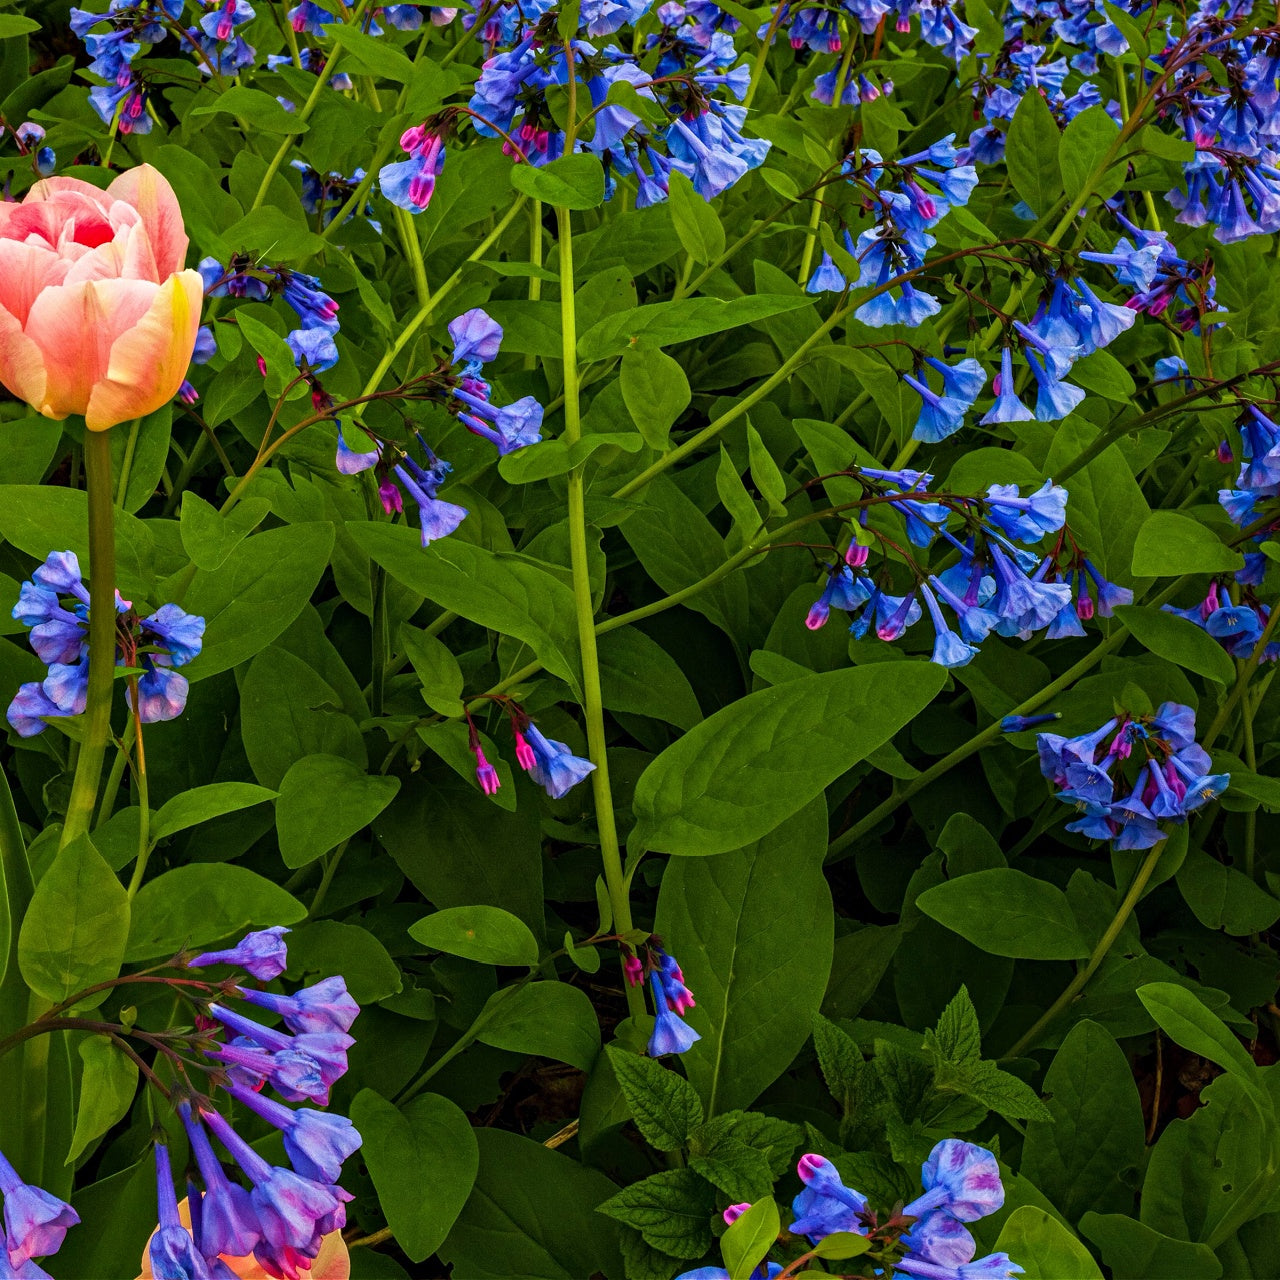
[(1007, 913), (12, 24), (703, 794), (1032, 154), (655, 391), (1044, 1248), (505, 593), (200, 804), (1086, 1157), (575, 182), (400, 1145), (640, 676), (765, 475), (1134, 1251), (322, 948), (1170, 544), (325, 800), (203, 903), (532, 1213), (696, 221), (841, 1245), (1188, 1022), (1172, 637), (672, 1210), (255, 107), (748, 1241), (738, 916), (208, 537), (487, 934), (550, 1019), (1222, 897), (1101, 373), (108, 1082), (664, 1105), (1088, 141), (364, 53), (260, 589), (662, 324), (437, 668), (73, 934)]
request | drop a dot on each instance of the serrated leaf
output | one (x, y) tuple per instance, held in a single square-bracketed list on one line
[(671, 1210), (664, 1105)]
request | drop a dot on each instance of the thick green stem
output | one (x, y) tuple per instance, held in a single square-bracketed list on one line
[(408, 230), (584, 608), (102, 636), (1098, 955)]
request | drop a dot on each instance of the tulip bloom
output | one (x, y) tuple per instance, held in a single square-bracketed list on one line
[(97, 315)]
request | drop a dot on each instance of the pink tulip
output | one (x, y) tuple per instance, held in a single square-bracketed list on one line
[(97, 316), (332, 1263)]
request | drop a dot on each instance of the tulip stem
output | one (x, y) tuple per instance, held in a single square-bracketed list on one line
[(102, 636)]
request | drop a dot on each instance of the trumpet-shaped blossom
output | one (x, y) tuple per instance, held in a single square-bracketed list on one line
[(551, 764), (262, 954)]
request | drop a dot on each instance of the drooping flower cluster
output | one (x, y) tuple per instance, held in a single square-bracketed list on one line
[(672, 999), (996, 586), (35, 1224), (323, 194), (123, 99), (907, 197), (458, 388), (1131, 775), (551, 764), (28, 137), (928, 1237), (312, 342), (54, 603)]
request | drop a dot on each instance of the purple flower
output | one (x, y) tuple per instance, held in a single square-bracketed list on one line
[(671, 1034), (326, 1006), (476, 338), (554, 767), (35, 1222), (262, 954), (826, 1205), (182, 634), (1007, 408), (316, 1142), (962, 1178), (227, 1221), (172, 1250)]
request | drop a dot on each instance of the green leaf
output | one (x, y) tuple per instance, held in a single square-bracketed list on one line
[(1043, 1247), (487, 934), (1101, 373), (208, 537), (655, 391), (735, 1168), (437, 668), (1172, 637), (1086, 143), (640, 676), (696, 221), (703, 794), (108, 1082), (11, 24), (270, 232), (1031, 154), (1132, 32), (364, 53), (1189, 1022), (73, 934), (325, 947), (738, 917), (765, 474), (664, 1105), (1170, 544), (506, 593), (1085, 1158), (203, 903), (400, 1144), (1007, 913), (550, 1019), (840, 1245), (255, 107), (325, 800), (1221, 897), (662, 324), (201, 804), (1134, 1251), (532, 1213), (574, 182), (260, 589), (672, 1210), (957, 1037), (747, 1242)]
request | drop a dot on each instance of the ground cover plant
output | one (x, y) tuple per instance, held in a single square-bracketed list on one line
[(639, 639)]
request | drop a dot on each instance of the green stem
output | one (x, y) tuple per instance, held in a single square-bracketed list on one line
[(378, 677), (762, 55), (102, 637), (144, 816), (1098, 955), (330, 870), (584, 608), (1243, 676), (115, 777), (408, 230), (131, 445)]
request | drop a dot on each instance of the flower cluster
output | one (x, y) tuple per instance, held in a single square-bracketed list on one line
[(323, 194), (54, 603), (28, 138), (672, 999), (458, 387), (35, 1224), (122, 101), (1132, 774), (928, 1237), (312, 342), (996, 585), (551, 764)]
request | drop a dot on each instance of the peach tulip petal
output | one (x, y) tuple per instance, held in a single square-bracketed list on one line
[(148, 191), (25, 271), (149, 361), (75, 327), (333, 1262), (52, 188), (21, 362)]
